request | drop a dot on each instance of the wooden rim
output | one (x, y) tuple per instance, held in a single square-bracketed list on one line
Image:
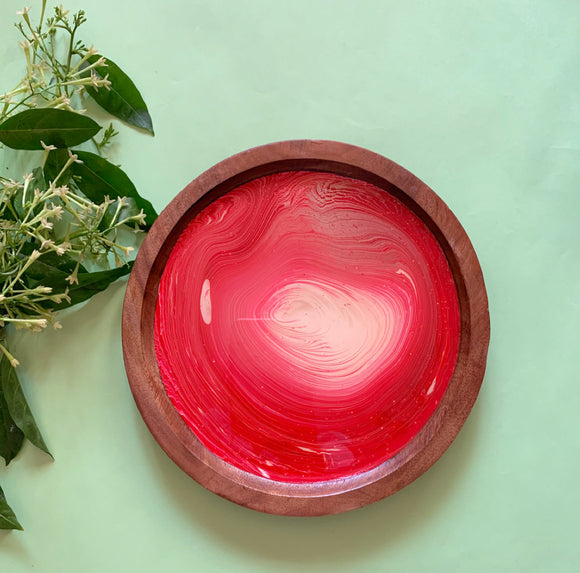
[(177, 439)]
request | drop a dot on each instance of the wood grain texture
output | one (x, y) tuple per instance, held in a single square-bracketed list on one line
[(167, 426)]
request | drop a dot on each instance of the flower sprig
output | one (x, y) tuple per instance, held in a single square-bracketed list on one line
[(59, 220), (65, 225), (51, 81)]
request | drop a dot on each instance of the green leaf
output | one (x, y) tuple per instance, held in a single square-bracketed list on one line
[(89, 284), (102, 179), (39, 181), (48, 264), (55, 162), (51, 270), (18, 406), (11, 436), (57, 127), (48, 267), (7, 518), (123, 99)]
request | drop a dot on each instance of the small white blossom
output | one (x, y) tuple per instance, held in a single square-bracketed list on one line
[(33, 256), (72, 279), (61, 191), (95, 80), (63, 248), (25, 45), (74, 157), (140, 218), (47, 147)]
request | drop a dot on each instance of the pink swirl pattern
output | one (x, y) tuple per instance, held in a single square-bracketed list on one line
[(307, 326)]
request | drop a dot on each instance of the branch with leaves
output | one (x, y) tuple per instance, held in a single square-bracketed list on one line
[(64, 225)]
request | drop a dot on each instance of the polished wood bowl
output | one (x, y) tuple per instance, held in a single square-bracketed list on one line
[(179, 441)]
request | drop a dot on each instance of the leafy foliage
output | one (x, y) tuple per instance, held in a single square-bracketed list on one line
[(35, 128), (7, 518), (123, 99), (61, 225)]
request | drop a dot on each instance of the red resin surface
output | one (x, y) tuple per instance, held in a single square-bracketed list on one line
[(307, 326)]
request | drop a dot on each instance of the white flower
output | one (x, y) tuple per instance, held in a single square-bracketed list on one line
[(140, 218), (95, 80), (46, 244), (33, 256), (63, 248), (74, 157), (61, 191), (47, 147), (45, 224), (23, 12)]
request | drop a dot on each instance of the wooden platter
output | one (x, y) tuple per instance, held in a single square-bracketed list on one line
[(176, 437)]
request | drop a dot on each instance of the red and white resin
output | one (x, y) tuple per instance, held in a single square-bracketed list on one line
[(307, 326)]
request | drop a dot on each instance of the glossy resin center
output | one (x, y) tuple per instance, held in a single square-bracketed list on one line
[(307, 326)]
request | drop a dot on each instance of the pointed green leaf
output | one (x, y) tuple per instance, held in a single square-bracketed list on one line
[(7, 518), (57, 127), (38, 181), (11, 436), (123, 99), (18, 406), (100, 179), (55, 162), (89, 284), (50, 266)]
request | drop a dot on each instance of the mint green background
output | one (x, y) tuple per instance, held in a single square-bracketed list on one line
[(481, 101)]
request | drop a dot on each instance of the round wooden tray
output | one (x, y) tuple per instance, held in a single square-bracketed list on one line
[(178, 440)]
